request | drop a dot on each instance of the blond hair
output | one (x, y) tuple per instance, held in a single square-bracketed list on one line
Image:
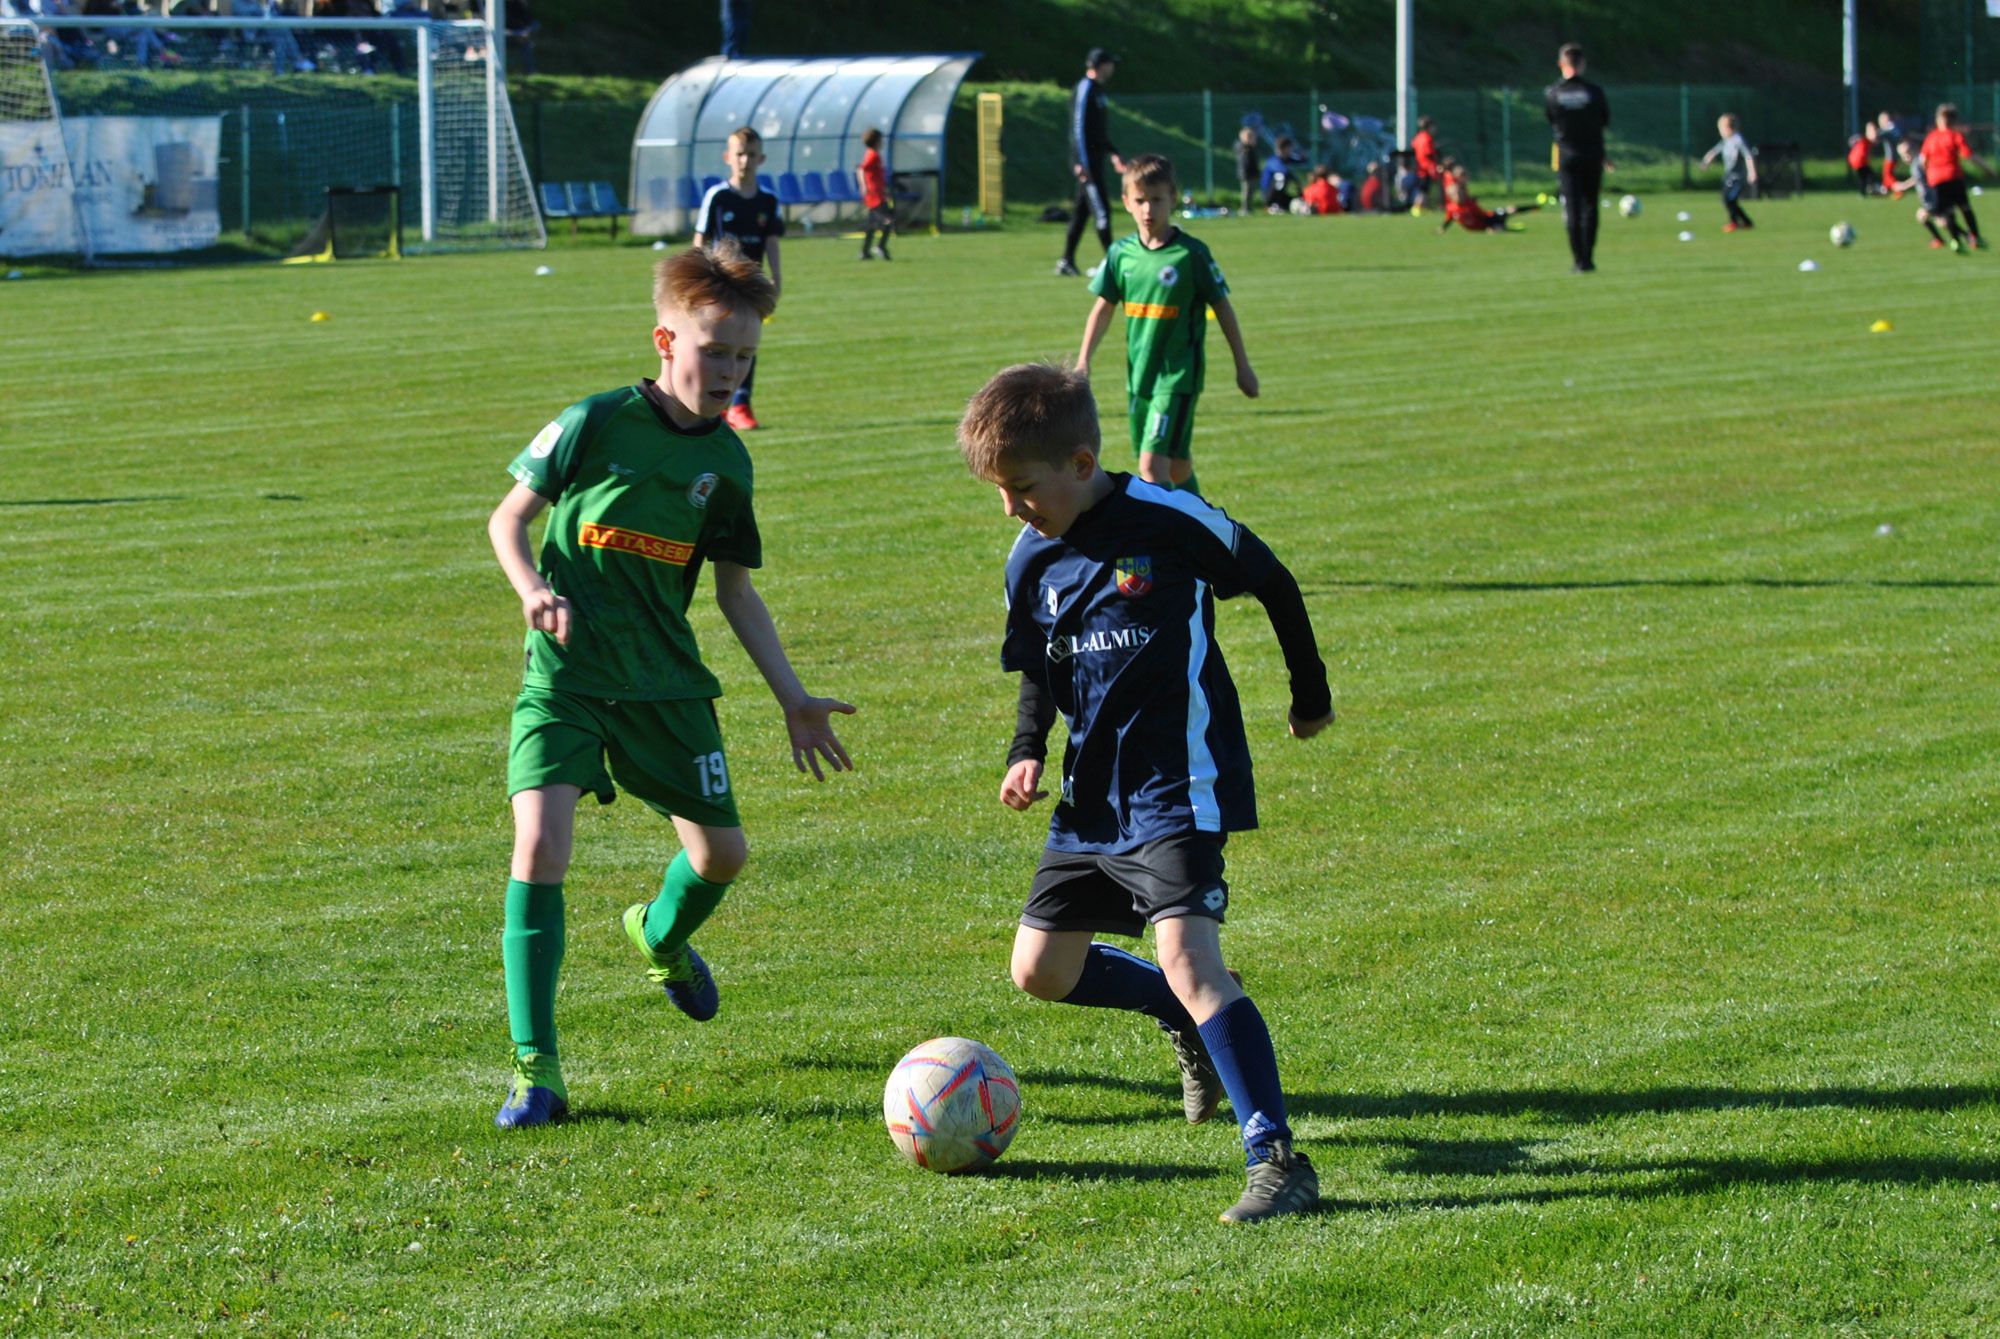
[(712, 276), (1149, 169), (1032, 412)]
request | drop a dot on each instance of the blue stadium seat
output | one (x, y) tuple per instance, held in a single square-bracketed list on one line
[(709, 183), (814, 187), (840, 188), (556, 204), (690, 196), (764, 183), (604, 203), (790, 191)]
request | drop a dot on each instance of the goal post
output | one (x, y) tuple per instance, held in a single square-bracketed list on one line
[(180, 133)]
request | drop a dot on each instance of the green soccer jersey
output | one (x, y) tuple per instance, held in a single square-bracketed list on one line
[(639, 505), (1167, 293)]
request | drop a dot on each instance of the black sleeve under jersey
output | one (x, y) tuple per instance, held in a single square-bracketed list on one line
[(1034, 717), (1279, 593)]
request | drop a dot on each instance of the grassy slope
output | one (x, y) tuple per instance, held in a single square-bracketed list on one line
[(1177, 45), (1628, 943)]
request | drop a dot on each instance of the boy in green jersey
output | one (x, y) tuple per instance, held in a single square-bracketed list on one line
[(644, 485), (1167, 283)]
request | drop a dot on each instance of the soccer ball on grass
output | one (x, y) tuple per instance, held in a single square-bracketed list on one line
[(952, 1105), (1841, 234), (1630, 206)]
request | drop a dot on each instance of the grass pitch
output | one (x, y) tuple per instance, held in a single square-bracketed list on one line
[(1629, 944)]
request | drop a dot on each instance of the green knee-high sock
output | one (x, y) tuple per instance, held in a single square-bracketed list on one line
[(532, 948), (685, 901)]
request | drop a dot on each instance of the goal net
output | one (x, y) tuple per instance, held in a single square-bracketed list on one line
[(224, 135)]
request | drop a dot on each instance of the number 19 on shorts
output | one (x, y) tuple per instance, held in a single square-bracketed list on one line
[(711, 772)]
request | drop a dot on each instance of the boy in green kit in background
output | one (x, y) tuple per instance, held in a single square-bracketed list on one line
[(645, 484), (1167, 282)]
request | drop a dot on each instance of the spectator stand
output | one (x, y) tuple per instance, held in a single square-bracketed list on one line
[(811, 113)]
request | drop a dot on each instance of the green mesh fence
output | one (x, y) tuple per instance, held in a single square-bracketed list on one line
[(1658, 132)]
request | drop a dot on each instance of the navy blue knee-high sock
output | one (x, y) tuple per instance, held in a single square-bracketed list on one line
[(1240, 1045), (1115, 979)]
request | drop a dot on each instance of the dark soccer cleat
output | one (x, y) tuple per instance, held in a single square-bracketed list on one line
[(681, 973), (1281, 1182), (1067, 269), (1201, 1086), (536, 1097)]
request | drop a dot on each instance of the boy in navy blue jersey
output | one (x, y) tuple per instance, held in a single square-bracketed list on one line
[(1111, 590), (748, 215)]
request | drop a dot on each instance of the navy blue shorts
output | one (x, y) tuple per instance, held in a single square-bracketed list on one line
[(1121, 894)]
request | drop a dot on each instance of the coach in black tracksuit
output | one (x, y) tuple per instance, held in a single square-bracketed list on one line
[(1089, 144), (1578, 113)]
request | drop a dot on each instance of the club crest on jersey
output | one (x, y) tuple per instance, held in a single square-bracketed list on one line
[(700, 490), (545, 441), (1135, 576), (1169, 273)]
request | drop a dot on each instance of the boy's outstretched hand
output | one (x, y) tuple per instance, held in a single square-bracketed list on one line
[(1021, 787), (1246, 380), (1304, 729), (810, 725)]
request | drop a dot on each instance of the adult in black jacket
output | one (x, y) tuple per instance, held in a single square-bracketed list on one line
[(1578, 113), (1089, 143)]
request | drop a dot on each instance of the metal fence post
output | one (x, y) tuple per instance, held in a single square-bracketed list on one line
[(1687, 176), (1507, 136), (243, 114), (396, 145), (1208, 145), (1312, 124)]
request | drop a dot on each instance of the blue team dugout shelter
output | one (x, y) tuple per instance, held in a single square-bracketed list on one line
[(811, 111)]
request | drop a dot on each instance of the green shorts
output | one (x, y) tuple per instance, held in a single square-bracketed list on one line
[(1163, 425), (669, 754)]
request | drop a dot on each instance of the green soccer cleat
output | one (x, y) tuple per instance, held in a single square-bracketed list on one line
[(1281, 1182), (681, 973), (537, 1097)]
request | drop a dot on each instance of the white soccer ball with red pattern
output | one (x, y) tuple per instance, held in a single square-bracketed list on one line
[(952, 1105)]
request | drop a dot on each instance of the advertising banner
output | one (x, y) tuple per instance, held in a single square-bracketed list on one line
[(141, 184)]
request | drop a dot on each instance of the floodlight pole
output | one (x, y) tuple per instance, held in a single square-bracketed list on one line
[(1850, 62), (1403, 118), (496, 79)]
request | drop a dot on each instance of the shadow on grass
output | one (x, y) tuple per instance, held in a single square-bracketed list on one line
[(1667, 583), (602, 1115), (1044, 1169), (87, 501), (1644, 1179), (1573, 1105)]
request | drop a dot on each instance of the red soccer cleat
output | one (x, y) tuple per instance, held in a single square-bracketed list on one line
[(1729, 227), (1937, 243), (739, 417)]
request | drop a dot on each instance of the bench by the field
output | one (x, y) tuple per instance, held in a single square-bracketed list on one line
[(575, 200)]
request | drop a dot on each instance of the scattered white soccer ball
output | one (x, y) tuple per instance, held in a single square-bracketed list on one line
[(14, 274), (952, 1105), (1978, 190), (1303, 206), (542, 271), (1687, 237), (1808, 266), (1885, 529), (1630, 206), (1683, 216), (659, 246), (1841, 234)]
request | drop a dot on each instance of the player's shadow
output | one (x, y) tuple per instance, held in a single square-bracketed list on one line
[(1060, 1169), (1503, 1161), (1582, 1106), (1660, 583), (87, 501), (595, 1114)]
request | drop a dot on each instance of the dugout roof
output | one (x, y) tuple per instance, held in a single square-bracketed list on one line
[(811, 111)]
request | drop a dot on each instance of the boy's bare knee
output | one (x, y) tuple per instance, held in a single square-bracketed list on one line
[(721, 856), (1044, 984)]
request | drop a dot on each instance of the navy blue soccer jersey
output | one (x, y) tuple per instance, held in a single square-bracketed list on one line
[(750, 219), (1115, 620)]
